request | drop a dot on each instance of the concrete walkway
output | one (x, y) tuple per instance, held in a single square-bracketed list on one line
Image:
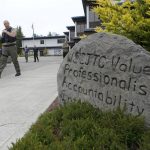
[(24, 98)]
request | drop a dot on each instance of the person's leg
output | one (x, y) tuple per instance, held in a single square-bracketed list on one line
[(26, 57), (13, 54), (0, 58), (37, 58), (34, 57), (3, 60)]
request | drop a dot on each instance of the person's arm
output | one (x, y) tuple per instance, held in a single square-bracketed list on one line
[(12, 33)]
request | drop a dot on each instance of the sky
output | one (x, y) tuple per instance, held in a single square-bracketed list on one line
[(46, 15)]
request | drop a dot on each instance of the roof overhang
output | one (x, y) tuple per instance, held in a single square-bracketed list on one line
[(79, 19), (66, 33), (88, 2), (71, 28), (44, 37)]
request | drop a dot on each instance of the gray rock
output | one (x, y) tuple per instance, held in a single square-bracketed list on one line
[(109, 71)]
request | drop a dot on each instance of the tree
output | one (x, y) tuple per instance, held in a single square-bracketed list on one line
[(131, 19), (37, 35), (49, 34), (19, 37), (0, 42), (55, 34)]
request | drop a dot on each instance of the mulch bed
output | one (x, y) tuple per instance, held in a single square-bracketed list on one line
[(54, 104)]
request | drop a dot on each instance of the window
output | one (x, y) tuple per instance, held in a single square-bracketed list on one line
[(60, 40), (41, 41)]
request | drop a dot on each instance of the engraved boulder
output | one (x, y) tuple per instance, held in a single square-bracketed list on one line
[(109, 71)]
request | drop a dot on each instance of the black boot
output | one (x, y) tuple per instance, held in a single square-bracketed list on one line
[(17, 74)]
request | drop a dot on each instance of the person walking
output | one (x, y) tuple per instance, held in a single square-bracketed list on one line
[(0, 55), (0, 52), (26, 51), (35, 50), (65, 48), (9, 48)]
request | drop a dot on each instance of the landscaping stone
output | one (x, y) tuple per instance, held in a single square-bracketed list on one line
[(109, 71)]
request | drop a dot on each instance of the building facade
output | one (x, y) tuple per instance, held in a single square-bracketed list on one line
[(46, 45), (80, 25), (92, 19), (83, 25)]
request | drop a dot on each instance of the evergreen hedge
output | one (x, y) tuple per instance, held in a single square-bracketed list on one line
[(80, 126)]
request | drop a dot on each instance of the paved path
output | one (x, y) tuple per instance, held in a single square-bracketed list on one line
[(24, 98)]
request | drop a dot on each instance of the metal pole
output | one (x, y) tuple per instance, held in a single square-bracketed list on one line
[(75, 29), (87, 17), (33, 35)]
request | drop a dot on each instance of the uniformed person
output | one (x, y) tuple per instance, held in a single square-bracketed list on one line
[(65, 48), (26, 51), (35, 50), (9, 48)]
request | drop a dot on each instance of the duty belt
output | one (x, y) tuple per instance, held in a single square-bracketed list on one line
[(9, 45)]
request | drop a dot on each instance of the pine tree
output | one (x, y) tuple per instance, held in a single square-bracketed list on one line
[(0, 42), (49, 34), (19, 37), (131, 19)]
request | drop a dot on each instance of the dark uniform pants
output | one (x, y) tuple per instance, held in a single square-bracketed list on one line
[(36, 57), (26, 57), (9, 51)]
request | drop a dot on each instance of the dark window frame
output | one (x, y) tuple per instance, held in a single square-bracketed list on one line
[(61, 40), (41, 41)]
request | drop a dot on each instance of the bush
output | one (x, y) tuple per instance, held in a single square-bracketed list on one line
[(131, 19), (80, 126)]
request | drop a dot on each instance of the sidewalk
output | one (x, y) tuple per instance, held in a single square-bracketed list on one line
[(24, 98)]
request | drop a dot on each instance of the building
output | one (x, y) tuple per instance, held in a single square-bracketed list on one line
[(71, 35), (84, 25), (66, 34), (80, 27), (47, 45), (92, 20)]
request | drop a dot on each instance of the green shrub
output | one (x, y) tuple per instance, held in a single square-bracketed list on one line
[(80, 126)]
